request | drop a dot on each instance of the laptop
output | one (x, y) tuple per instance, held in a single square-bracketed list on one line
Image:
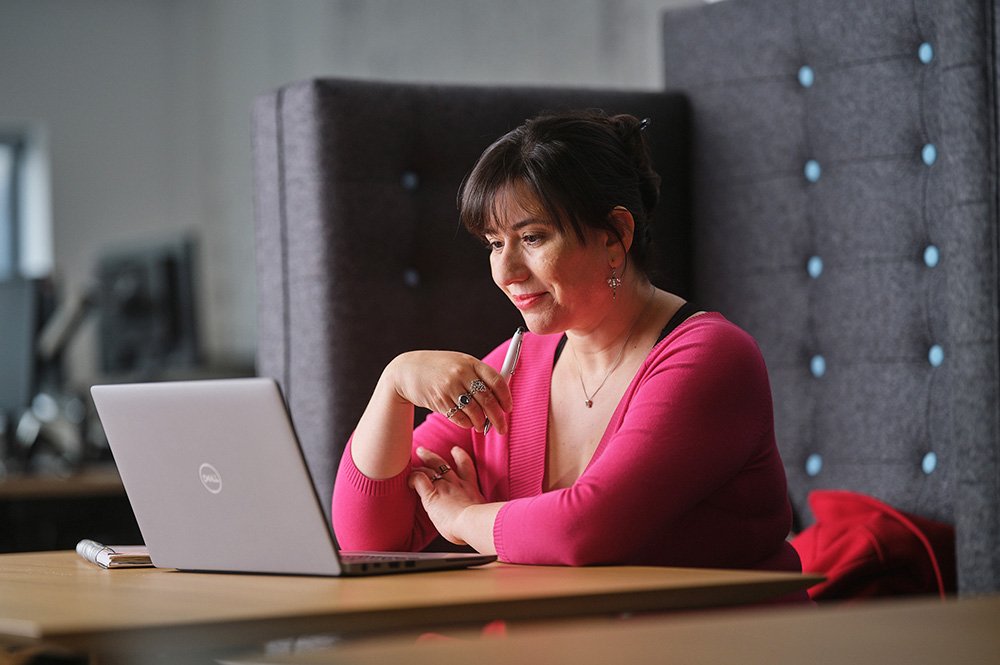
[(217, 481)]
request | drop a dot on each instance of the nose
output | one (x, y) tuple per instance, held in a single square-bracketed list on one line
[(507, 266)]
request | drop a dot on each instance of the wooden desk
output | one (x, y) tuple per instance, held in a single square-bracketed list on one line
[(915, 632), (90, 482), (56, 597)]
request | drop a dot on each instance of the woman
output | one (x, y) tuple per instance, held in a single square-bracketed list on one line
[(636, 429)]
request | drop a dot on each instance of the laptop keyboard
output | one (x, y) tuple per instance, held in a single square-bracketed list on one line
[(369, 558)]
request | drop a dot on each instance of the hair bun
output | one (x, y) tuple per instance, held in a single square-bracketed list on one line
[(630, 131)]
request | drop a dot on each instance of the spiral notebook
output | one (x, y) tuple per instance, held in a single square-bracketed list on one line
[(114, 556)]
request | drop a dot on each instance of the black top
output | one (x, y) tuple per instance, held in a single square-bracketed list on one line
[(685, 310)]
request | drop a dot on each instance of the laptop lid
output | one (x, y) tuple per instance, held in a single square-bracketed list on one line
[(217, 480)]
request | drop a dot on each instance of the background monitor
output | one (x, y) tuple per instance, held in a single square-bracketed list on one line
[(146, 307), (18, 325)]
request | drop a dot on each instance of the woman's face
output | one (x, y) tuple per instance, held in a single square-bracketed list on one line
[(556, 282)]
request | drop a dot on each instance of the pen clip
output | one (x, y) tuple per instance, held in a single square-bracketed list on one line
[(517, 355), (513, 353)]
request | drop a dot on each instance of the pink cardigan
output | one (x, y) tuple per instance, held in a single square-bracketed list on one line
[(686, 474)]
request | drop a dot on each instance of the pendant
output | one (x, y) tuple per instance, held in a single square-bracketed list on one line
[(589, 403)]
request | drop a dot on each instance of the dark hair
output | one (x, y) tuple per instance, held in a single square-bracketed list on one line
[(579, 164)]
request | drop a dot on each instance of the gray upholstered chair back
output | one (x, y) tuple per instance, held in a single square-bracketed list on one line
[(842, 194), (360, 255), (845, 213)]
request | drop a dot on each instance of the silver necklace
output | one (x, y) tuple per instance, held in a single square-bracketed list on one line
[(589, 401)]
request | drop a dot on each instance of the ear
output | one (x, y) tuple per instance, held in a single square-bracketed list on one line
[(623, 221)]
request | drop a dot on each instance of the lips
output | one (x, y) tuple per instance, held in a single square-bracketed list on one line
[(528, 300)]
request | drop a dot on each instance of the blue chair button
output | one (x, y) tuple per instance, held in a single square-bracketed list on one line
[(411, 278), (935, 356), (925, 53), (929, 463), (817, 365), (812, 170), (409, 181), (814, 267), (806, 76), (932, 255), (929, 154), (814, 464)]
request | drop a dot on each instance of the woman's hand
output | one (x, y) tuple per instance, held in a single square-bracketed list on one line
[(464, 389), (451, 497)]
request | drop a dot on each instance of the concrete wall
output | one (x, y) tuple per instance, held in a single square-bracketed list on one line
[(145, 106)]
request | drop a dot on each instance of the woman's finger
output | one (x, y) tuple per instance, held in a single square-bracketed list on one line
[(429, 457), (462, 418), (421, 484), (436, 465), (458, 419), (494, 412), (426, 470), (499, 388), (465, 468), (472, 403), (491, 391), (495, 399), (459, 408), (476, 415)]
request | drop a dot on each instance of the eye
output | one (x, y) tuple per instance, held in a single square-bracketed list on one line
[(532, 238), (493, 245)]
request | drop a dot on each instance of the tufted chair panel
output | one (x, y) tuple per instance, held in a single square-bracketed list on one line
[(845, 213)]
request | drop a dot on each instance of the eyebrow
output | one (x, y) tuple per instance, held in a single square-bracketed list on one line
[(516, 226)]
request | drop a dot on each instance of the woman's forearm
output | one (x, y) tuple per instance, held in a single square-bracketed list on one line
[(382, 441), (475, 526)]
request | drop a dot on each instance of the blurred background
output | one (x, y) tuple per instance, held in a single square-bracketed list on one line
[(126, 218)]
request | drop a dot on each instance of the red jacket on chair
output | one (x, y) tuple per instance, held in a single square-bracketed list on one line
[(867, 548)]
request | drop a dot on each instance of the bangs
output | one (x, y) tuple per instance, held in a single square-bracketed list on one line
[(496, 216), (481, 195), (486, 194)]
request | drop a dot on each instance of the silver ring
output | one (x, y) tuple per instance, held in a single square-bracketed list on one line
[(443, 469), (477, 386), (436, 477), (464, 400)]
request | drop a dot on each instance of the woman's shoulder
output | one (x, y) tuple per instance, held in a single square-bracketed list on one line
[(708, 325), (708, 334)]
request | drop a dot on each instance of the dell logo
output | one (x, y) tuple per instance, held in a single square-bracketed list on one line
[(210, 478)]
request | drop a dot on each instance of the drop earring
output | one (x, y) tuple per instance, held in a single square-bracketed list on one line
[(614, 282)]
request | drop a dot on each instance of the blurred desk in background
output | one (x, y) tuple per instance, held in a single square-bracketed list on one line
[(96, 481), (915, 632), (47, 512)]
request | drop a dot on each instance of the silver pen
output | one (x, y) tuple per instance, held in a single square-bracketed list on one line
[(513, 352), (509, 362)]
